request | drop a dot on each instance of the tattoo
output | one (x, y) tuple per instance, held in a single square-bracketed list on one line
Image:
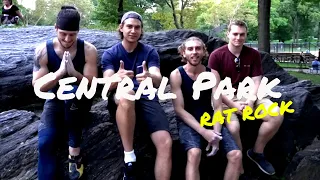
[(37, 57)]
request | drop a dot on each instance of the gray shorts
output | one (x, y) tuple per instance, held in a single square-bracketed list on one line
[(189, 138)]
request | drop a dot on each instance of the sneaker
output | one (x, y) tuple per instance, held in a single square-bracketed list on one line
[(75, 167), (129, 172), (262, 163)]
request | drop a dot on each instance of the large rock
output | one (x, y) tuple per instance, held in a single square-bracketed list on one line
[(305, 164), (17, 52), (18, 129)]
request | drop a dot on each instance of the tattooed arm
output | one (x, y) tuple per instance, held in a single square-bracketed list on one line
[(40, 68)]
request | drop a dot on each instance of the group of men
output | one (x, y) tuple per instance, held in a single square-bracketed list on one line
[(68, 56)]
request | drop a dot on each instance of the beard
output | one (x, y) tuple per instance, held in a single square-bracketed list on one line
[(65, 46), (193, 63)]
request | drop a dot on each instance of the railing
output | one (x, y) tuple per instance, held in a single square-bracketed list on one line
[(311, 47)]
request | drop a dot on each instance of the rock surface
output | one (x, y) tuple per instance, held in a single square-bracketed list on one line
[(18, 128), (305, 164)]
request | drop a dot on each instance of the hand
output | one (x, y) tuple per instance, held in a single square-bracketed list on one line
[(70, 68), (63, 66), (145, 73), (211, 136), (250, 103), (240, 107), (122, 73), (214, 148)]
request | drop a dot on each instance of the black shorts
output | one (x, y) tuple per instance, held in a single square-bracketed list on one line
[(189, 138), (148, 112)]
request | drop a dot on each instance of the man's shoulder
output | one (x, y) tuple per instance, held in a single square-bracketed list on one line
[(176, 72), (221, 49), (250, 49), (88, 47), (41, 47), (146, 47), (113, 50)]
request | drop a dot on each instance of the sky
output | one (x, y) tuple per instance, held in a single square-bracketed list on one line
[(28, 3)]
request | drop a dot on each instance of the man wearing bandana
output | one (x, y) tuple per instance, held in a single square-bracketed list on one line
[(65, 56), (137, 61)]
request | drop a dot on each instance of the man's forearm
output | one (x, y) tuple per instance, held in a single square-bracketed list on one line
[(190, 120), (49, 85), (227, 101), (255, 89), (79, 77), (156, 80)]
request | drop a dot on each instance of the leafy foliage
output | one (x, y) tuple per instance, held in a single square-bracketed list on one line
[(289, 19)]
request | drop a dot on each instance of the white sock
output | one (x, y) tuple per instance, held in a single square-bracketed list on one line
[(129, 156)]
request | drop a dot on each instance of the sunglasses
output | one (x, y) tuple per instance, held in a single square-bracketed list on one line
[(237, 61)]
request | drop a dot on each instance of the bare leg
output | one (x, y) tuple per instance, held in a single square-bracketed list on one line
[(126, 120), (234, 129), (74, 151), (163, 143), (192, 168), (267, 130), (234, 161)]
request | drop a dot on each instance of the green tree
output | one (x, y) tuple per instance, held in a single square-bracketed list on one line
[(302, 17), (46, 11)]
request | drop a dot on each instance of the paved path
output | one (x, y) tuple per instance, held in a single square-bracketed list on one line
[(304, 70)]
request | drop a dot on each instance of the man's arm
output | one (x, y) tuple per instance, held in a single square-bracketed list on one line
[(256, 76), (178, 103), (217, 103), (155, 76), (257, 81), (109, 73), (90, 69), (40, 68), (154, 68)]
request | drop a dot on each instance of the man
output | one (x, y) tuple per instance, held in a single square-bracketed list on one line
[(192, 135), (237, 61), (65, 56), (137, 61)]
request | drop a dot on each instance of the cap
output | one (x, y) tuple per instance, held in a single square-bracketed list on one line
[(131, 14)]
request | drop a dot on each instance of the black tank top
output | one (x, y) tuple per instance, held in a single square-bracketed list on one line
[(54, 60), (195, 107)]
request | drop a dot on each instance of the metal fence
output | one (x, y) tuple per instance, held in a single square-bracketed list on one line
[(311, 47)]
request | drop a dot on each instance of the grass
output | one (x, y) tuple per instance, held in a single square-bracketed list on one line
[(293, 65), (314, 78)]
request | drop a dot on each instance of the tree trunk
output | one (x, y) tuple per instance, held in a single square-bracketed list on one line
[(120, 11), (181, 19), (264, 25), (183, 5), (175, 20)]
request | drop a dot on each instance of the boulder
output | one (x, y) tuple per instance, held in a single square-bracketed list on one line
[(101, 143), (305, 164)]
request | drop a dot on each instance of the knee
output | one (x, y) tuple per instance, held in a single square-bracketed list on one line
[(194, 156), (164, 144), (279, 119), (46, 143), (125, 103), (234, 156), (234, 129)]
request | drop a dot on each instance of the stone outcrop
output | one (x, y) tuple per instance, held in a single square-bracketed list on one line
[(102, 146)]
